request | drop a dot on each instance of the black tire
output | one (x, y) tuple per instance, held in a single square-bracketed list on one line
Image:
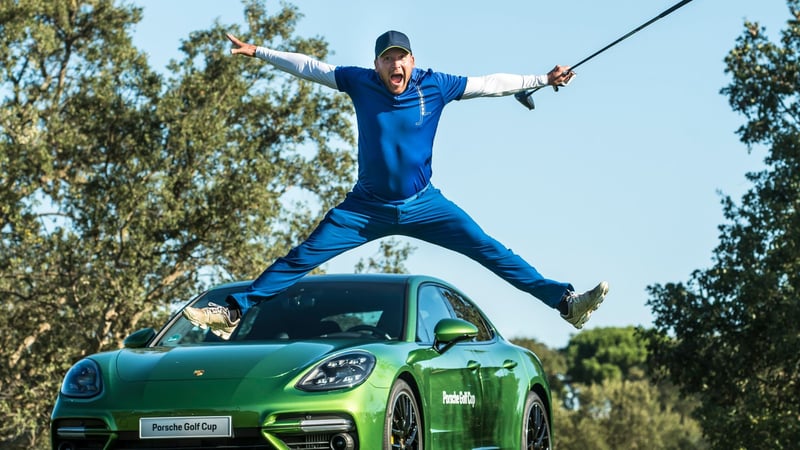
[(402, 427), (535, 424)]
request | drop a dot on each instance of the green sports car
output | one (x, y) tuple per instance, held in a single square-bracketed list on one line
[(336, 362)]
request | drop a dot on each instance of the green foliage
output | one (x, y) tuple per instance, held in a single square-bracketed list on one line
[(620, 414), (390, 258), (123, 190), (602, 398), (606, 354), (730, 334)]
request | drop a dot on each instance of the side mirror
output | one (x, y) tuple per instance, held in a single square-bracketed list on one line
[(449, 332), (139, 338)]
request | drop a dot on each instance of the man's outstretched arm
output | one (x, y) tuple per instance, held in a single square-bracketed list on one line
[(500, 84), (297, 64)]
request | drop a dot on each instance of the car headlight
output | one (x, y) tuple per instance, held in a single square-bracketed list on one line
[(82, 380), (339, 372)]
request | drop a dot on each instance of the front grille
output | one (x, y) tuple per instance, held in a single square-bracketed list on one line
[(92, 434), (86, 435), (313, 431), (244, 438), (80, 434), (320, 441)]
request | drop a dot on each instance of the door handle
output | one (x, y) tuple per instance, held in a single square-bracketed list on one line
[(509, 364), (473, 365)]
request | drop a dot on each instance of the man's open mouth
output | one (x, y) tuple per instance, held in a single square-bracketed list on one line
[(396, 78)]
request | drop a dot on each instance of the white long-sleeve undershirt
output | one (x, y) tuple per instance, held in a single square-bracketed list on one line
[(303, 66), (500, 84), (300, 65)]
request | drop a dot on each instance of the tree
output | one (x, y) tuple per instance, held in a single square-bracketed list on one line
[(623, 414), (603, 399), (606, 354), (123, 191), (390, 258), (730, 334)]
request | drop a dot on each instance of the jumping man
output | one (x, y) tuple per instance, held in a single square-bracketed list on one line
[(397, 109)]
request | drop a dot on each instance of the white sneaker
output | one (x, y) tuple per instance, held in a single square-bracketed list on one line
[(581, 306), (213, 316)]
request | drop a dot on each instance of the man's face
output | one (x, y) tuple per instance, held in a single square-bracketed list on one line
[(394, 67)]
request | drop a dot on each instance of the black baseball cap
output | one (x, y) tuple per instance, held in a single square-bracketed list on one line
[(391, 39)]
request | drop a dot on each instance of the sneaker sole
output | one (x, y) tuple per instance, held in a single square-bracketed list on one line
[(223, 334), (200, 325), (585, 317), (194, 321)]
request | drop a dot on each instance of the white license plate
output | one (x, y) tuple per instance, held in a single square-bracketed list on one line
[(184, 427)]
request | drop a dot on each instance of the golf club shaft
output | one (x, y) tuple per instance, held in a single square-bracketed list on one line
[(665, 13), (522, 96)]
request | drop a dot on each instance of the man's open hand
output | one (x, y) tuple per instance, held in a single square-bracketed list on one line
[(241, 48)]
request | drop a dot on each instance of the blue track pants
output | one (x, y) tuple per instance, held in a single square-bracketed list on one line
[(427, 216)]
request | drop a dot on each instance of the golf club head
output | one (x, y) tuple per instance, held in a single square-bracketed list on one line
[(526, 98)]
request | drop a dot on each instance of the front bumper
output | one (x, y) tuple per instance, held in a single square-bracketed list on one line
[(285, 420)]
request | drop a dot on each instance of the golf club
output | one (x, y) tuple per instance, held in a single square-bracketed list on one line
[(525, 97)]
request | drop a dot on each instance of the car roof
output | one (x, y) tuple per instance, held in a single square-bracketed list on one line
[(389, 278)]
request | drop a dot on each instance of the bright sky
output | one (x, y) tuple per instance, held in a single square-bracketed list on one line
[(616, 177)]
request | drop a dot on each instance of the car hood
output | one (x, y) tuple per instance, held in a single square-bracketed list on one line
[(219, 361)]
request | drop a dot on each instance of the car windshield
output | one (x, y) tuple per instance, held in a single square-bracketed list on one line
[(307, 310)]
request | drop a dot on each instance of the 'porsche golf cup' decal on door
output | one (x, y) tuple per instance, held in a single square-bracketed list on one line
[(458, 398)]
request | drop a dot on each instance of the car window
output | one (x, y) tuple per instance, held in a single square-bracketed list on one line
[(465, 310), (317, 310), (431, 308), (328, 310)]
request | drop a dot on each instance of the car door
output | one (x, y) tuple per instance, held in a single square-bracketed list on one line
[(451, 385), (499, 375)]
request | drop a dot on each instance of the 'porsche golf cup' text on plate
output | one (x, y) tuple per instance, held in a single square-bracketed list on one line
[(184, 427)]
